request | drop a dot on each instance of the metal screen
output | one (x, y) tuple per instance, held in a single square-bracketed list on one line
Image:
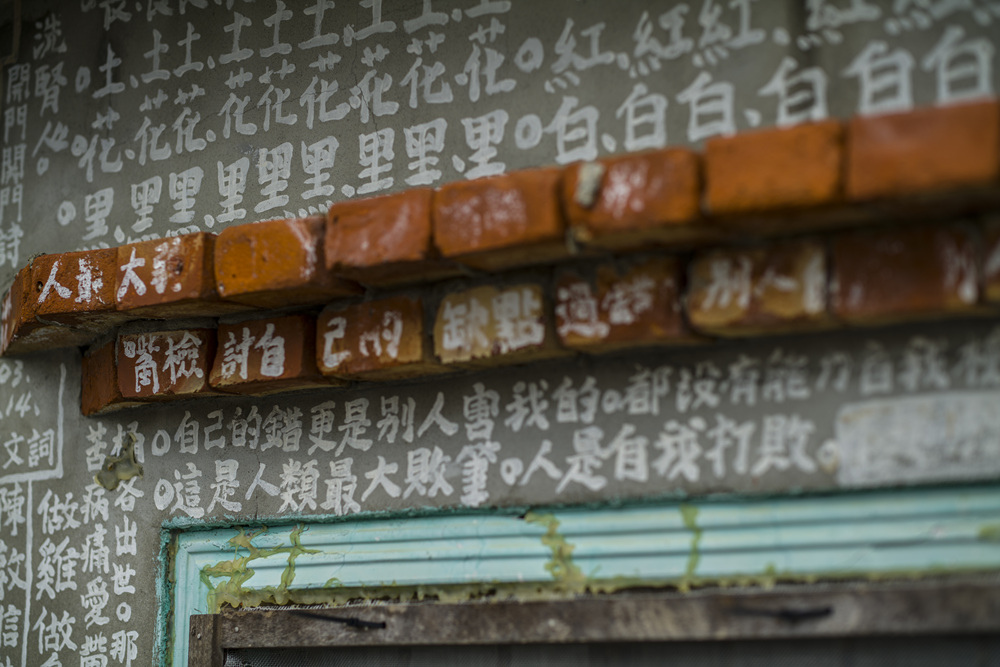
[(972, 651)]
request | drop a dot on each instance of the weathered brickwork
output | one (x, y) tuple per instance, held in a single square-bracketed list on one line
[(697, 259)]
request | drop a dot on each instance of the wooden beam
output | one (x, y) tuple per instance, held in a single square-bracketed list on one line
[(963, 606)]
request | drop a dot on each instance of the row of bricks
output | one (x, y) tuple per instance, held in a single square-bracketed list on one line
[(825, 171), (791, 285)]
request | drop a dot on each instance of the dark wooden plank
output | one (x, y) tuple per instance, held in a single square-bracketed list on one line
[(204, 648), (943, 607)]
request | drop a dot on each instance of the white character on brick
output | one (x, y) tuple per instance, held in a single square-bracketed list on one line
[(577, 312), (391, 332), (272, 363), (52, 284), (141, 348), (86, 283), (337, 329), (161, 273), (182, 357), (131, 278), (236, 354), (465, 325), (627, 299), (518, 315), (730, 283)]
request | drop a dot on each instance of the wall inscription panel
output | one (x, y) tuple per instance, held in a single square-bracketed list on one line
[(127, 120)]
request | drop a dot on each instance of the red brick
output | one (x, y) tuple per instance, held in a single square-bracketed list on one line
[(99, 392), (22, 332), (625, 305), (381, 339), (741, 291), (490, 325), (501, 221), (384, 240), (77, 289), (897, 274), (924, 150), (991, 261), (161, 365), (628, 200), (171, 277), (266, 356), (275, 264), (774, 169)]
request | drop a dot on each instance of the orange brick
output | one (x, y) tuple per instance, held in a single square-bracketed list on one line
[(77, 289), (171, 277), (501, 221), (991, 261), (384, 240), (628, 200), (490, 326), (783, 286), (161, 365), (99, 392), (267, 356), (381, 339), (275, 264), (924, 150), (627, 305), (897, 274), (767, 170), (21, 331)]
